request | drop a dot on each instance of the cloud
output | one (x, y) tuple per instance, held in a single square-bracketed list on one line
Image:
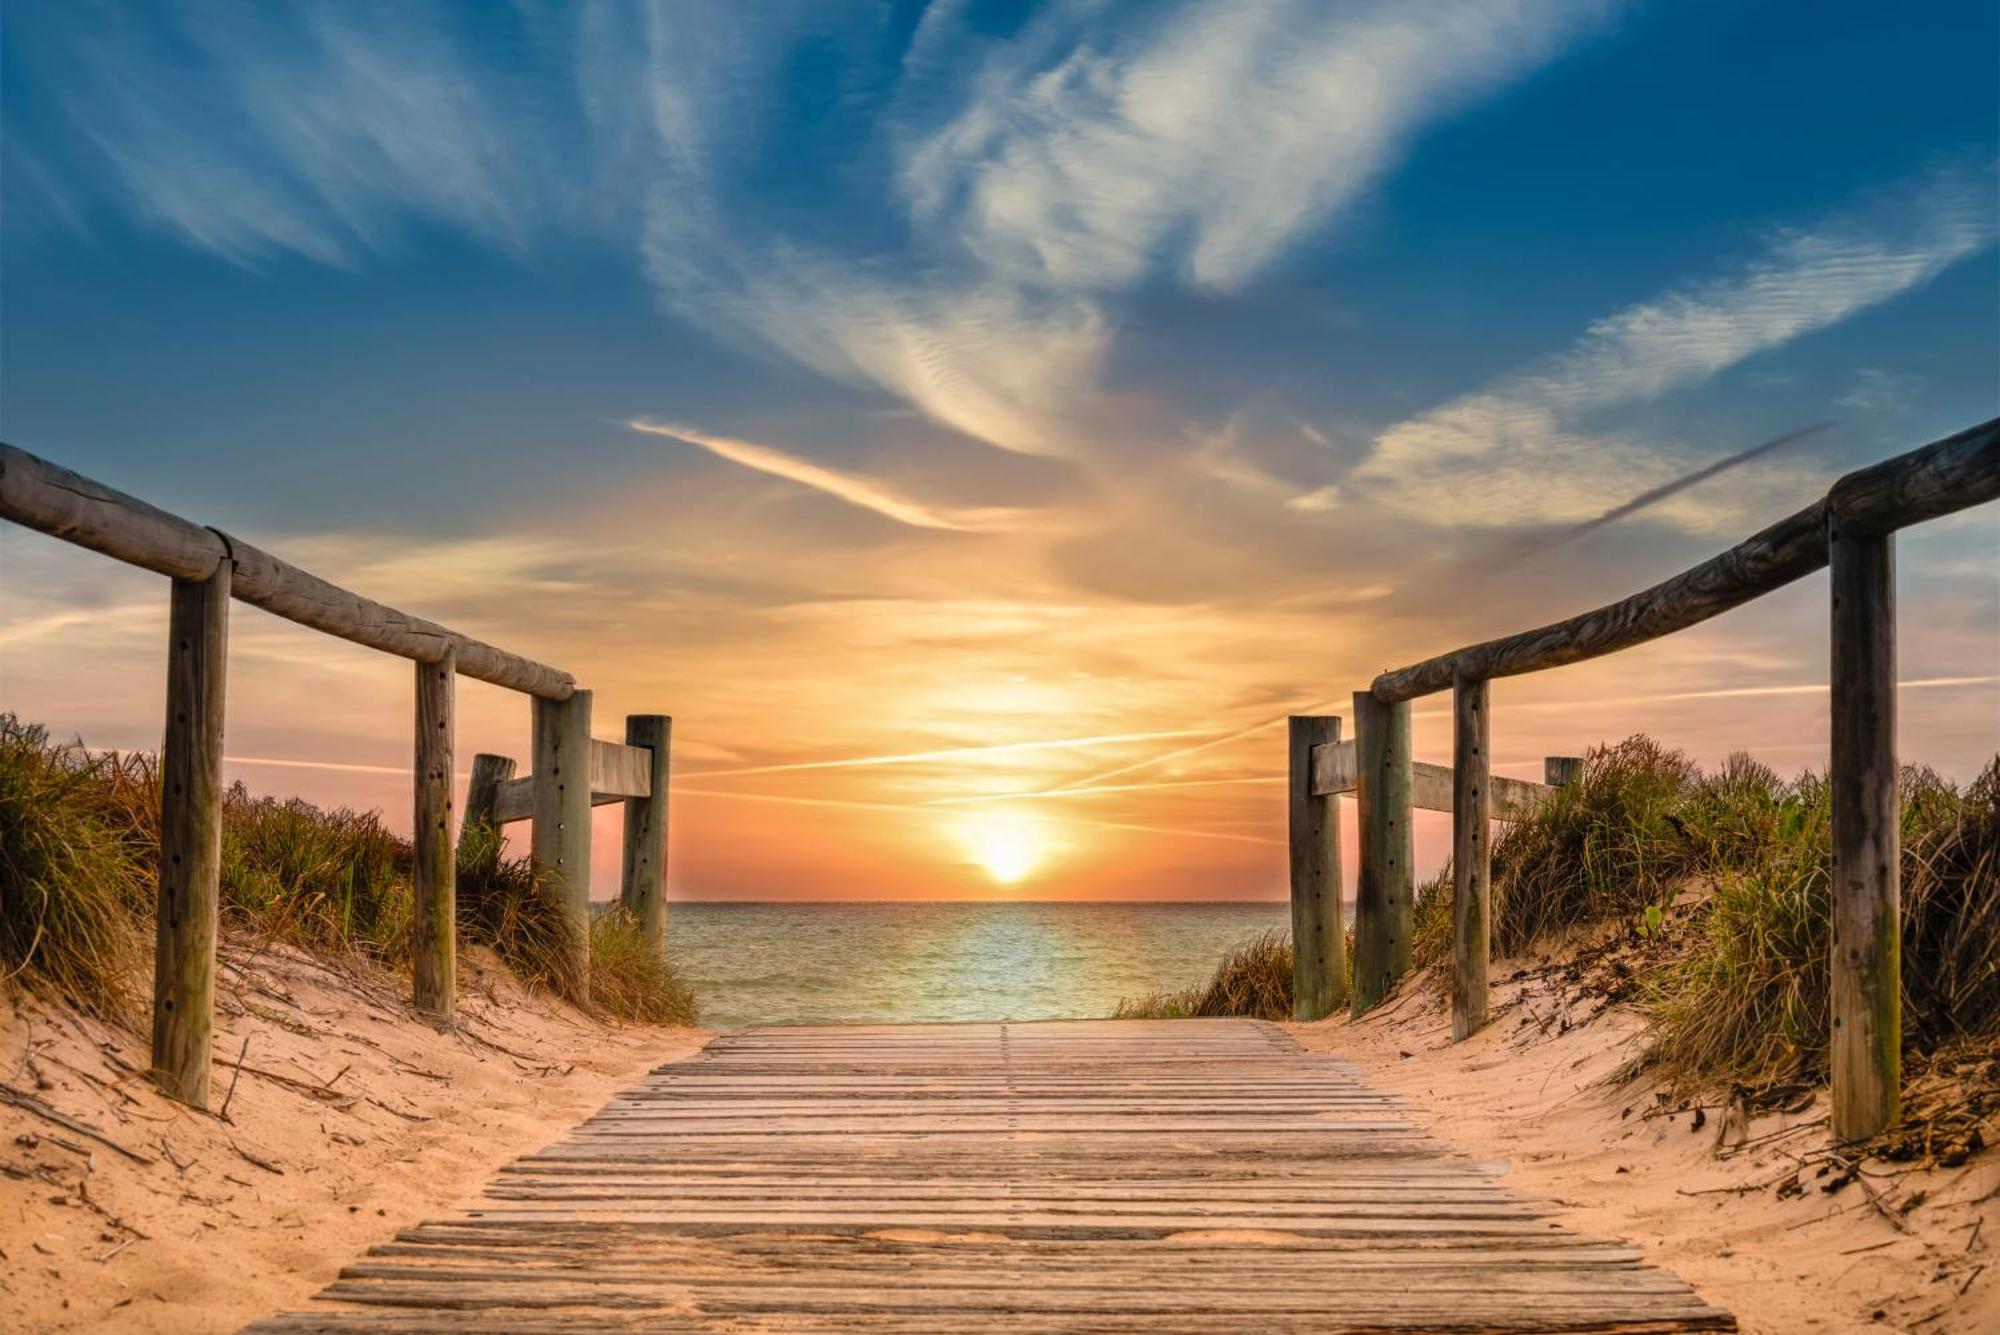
[(1523, 451), (313, 132), (1220, 132), (867, 493)]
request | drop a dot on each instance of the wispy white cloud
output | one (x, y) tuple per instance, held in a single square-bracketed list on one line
[(1217, 132), (315, 132), (1524, 451), (867, 493)]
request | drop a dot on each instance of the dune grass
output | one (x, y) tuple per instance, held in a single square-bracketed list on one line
[(1722, 881), (1254, 979), (79, 841)]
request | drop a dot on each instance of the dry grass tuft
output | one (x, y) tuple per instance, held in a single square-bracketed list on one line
[(79, 844), (1254, 980), (76, 858), (630, 980)]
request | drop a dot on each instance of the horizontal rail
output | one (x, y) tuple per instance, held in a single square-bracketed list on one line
[(1335, 773), (40, 495), (1953, 474), (617, 772)]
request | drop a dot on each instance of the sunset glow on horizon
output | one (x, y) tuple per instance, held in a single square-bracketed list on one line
[(980, 429)]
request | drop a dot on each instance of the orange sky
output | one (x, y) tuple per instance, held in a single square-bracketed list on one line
[(946, 735)]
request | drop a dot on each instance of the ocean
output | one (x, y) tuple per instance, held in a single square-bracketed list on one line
[(884, 962)]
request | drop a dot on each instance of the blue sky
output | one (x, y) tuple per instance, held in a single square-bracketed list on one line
[(1013, 371)]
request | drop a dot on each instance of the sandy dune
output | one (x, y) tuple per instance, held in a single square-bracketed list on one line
[(352, 1118)]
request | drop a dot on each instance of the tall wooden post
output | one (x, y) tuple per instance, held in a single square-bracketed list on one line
[(1319, 945), (642, 882), (1562, 771), (1471, 834), (435, 876), (190, 837), (560, 770), (482, 793), (1867, 875), (1385, 891)]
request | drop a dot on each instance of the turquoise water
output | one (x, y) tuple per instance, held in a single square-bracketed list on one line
[(833, 963)]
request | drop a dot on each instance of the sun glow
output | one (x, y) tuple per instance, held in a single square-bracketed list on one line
[(1008, 847)]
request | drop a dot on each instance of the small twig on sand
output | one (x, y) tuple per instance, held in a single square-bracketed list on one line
[(223, 1112), (29, 1103), (115, 1250), (257, 1160)]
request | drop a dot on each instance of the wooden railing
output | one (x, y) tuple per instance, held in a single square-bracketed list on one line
[(1851, 529), (208, 568)]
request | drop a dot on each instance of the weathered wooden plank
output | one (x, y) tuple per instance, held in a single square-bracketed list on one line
[(1319, 941), (1953, 474), (1001, 1177), (40, 495), (1385, 884), (560, 844), (1867, 1056), (617, 773), (482, 792), (642, 880), (1336, 771), (1471, 833), (434, 869), (190, 870)]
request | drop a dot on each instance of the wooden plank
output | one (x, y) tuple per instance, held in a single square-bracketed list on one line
[(482, 793), (41, 495), (939, 1199), (642, 879), (1319, 942), (1866, 977), (1385, 886), (1953, 474), (434, 866), (1336, 772), (1471, 833), (618, 773), (561, 841), (190, 837)]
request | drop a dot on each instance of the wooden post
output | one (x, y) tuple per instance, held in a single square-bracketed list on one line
[(1562, 771), (1319, 946), (1867, 882), (435, 875), (560, 770), (1471, 831), (642, 882), (1385, 891), (190, 837), (482, 794)]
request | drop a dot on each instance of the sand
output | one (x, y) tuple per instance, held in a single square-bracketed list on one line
[(1892, 1250), (358, 1119)]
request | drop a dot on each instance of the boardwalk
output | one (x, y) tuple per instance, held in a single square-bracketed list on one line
[(1089, 1176)]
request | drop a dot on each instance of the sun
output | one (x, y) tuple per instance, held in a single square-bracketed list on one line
[(1008, 847)]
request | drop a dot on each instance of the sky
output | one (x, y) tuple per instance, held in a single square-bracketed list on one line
[(980, 424)]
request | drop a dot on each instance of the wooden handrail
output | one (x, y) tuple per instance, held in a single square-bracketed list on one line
[(1851, 529), (1953, 474), (208, 569), (40, 495)]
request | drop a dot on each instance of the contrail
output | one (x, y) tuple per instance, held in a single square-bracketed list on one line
[(950, 753), (904, 807), (1646, 499)]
